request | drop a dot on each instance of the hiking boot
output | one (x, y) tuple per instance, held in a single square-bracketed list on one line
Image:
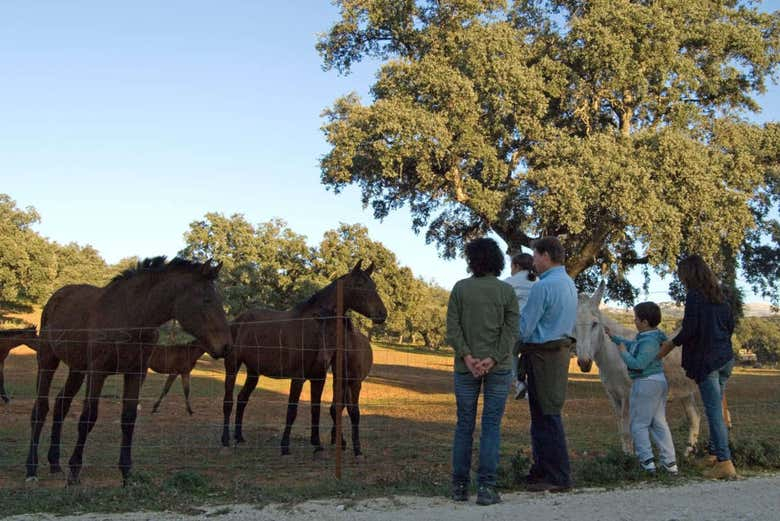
[(705, 462), (487, 496), (670, 468), (721, 470), (460, 492), (544, 486), (648, 466)]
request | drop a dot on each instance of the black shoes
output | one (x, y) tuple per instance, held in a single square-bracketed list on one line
[(487, 496), (460, 492)]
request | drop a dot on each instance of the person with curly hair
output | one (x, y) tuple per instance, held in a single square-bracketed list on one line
[(482, 321)]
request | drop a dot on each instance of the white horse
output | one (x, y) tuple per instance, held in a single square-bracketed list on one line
[(593, 345)]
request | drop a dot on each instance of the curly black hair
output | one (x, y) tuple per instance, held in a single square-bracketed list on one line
[(484, 257)]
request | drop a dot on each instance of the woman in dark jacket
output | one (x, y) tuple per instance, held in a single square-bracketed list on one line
[(707, 355)]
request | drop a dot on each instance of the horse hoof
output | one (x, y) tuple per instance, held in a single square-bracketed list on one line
[(359, 458), (55, 469), (31, 479), (73, 481), (689, 451), (285, 451)]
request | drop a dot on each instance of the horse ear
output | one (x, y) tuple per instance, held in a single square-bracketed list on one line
[(595, 300), (357, 266), (217, 268), (370, 269)]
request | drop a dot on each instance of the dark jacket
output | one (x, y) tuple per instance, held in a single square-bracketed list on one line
[(705, 336)]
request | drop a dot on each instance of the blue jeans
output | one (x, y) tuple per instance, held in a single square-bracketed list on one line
[(711, 390), (548, 441), (495, 387), (647, 407)]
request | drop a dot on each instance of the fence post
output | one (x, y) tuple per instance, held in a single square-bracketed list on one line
[(338, 374)]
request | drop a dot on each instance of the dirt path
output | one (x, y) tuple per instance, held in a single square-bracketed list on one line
[(754, 499)]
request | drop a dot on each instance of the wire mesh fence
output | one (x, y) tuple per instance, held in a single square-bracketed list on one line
[(407, 417)]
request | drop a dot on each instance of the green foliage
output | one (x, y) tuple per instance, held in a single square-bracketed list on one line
[(27, 260), (267, 265), (80, 265), (762, 336), (752, 452), (618, 126), (187, 482)]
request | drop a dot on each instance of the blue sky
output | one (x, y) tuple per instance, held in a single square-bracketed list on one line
[(124, 122)]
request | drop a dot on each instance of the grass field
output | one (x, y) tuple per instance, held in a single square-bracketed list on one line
[(408, 414)]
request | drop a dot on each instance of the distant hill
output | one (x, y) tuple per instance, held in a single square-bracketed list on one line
[(672, 310)]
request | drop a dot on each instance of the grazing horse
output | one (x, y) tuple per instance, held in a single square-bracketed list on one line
[(358, 359), (298, 344), (9, 339), (98, 332), (175, 360), (593, 344)]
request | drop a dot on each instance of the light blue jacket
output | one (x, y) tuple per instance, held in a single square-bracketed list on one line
[(551, 310), (640, 354)]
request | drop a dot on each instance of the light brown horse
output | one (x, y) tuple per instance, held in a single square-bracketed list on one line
[(9, 339), (175, 360), (98, 332), (297, 344), (358, 359)]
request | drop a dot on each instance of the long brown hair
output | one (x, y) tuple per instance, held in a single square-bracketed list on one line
[(695, 274)]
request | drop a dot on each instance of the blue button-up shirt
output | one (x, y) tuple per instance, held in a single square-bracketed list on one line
[(551, 310)]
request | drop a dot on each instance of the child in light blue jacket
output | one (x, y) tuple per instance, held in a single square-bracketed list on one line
[(649, 389)]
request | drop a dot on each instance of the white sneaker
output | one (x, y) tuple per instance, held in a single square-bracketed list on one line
[(670, 468), (520, 390), (648, 466)]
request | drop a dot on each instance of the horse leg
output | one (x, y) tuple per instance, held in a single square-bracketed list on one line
[(625, 413), (89, 415), (168, 383), (335, 411), (296, 385), (317, 385), (227, 401), (694, 422), (130, 393), (726, 412), (243, 399), (46, 369), (3, 396), (353, 409), (61, 408), (185, 384)]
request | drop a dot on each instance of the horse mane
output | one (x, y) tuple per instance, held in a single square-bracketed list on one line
[(616, 327), (159, 265), (302, 306)]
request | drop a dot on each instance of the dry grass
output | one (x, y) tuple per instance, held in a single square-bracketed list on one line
[(408, 413)]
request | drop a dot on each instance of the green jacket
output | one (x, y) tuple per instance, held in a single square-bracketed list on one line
[(482, 320)]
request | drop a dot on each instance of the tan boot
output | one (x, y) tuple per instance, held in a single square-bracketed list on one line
[(705, 462), (721, 470)]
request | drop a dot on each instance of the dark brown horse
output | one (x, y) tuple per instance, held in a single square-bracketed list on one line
[(358, 359), (98, 332), (10, 338), (297, 344), (175, 360)]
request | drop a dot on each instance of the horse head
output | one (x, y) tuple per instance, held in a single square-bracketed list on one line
[(198, 308), (588, 330), (360, 294)]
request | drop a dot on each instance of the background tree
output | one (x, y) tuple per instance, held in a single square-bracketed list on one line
[(762, 336), (80, 265), (27, 260), (617, 125), (265, 266)]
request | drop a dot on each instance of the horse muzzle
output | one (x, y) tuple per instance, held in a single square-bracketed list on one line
[(585, 365)]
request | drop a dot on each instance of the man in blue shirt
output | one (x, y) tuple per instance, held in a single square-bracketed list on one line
[(546, 327)]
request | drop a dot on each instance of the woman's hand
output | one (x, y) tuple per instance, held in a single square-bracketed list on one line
[(486, 365), (473, 365)]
